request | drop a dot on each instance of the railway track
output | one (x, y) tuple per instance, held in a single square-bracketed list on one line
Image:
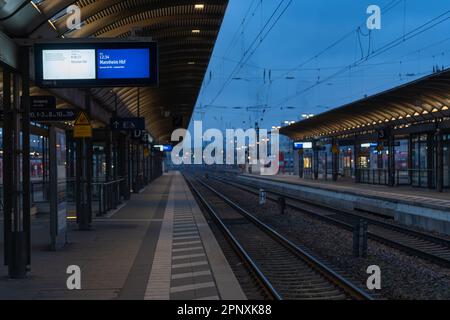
[(432, 248), (284, 270)]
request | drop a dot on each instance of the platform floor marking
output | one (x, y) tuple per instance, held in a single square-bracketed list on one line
[(187, 249), (191, 274), (157, 286), (189, 256), (134, 287), (208, 298), (189, 264), (186, 243), (194, 286)]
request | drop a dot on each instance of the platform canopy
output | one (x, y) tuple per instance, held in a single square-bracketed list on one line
[(422, 100), (186, 31)]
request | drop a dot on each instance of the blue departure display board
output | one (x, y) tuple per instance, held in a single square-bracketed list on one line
[(96, 64), (123, 63)]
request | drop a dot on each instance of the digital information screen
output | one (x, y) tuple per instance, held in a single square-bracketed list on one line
[(123, 63), (68, 64), (81, 65)]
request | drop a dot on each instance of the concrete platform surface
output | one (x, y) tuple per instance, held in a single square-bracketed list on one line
[(159, 239), (416, 196), (412, 207)]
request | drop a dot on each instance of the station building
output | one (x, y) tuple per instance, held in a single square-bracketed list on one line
[(46, 168)]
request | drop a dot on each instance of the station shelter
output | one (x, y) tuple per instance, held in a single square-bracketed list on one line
[(400, 137), (97, 172)]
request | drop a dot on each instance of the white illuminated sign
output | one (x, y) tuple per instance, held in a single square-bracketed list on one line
[(303, 145), (75, 64)]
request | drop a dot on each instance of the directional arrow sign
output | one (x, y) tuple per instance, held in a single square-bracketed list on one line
[(128, 124)]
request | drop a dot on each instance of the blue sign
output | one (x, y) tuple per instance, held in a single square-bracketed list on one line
[(127, 124), (163, 148), (123, 63), (96, 64), (167, 148), (302, 145)]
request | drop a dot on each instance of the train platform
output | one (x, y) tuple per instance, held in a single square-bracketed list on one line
[(158, 246), (412, 206)]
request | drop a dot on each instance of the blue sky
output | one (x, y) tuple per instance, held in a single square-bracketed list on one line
[(303, 82)]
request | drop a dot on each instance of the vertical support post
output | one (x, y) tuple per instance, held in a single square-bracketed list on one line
[(53, 179), (123, 167), (26, 169), (301, 163), (430, 160), (89, 160), (356, 150), (335, 160), (8, 154), (16, 144), (84, 176), (439, 173), (391, 157), (108, 152), (18, 250), (316, 160), (130, 163), (410, 159), (360, 243), (57, 199)]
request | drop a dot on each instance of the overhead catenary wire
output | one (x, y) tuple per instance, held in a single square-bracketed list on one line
[(255, 44), (388, 46)]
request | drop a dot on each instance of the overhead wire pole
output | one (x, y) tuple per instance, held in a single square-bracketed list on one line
[(258, 41)]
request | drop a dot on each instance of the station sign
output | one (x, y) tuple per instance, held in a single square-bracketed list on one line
[(163, 148), (128, 124), (50, 115), (42, 102), (96, 64), (53, 115)]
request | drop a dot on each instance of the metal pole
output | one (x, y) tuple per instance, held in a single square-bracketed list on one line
[(335, 161), (26, 170), (8, 152), (316, 160), (439, 174), (356, 160), (84, 176), (108, 151)]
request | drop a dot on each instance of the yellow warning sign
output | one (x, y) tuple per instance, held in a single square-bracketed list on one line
[(82, 119), (82, 128), (146, 152)]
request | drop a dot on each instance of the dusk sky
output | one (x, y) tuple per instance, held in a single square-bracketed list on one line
[(305, 79)]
